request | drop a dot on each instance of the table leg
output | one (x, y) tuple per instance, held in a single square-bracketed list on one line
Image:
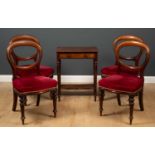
[(59, 78), (95, 79)]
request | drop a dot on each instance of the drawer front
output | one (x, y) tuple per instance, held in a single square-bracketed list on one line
[(77, 56)]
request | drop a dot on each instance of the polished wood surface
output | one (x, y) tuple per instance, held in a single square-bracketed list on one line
[(139, 67), (77, 53), (77, 56), (123, 38), (24, 37), (77, 49), (77, 86), (78, 109)]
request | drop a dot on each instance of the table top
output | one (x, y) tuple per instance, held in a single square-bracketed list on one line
[(77, 49)]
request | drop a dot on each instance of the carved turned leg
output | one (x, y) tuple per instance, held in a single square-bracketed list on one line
[(119, 99), (38, 100), (101, 98), (51, 76), (59, 78), (95, 78), (131, 104), (51, 95), (140, 96), (54, 97), (22, 104), (15, 97), (25, 101)]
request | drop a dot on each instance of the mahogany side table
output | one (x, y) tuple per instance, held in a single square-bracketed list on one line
[(77, 53)]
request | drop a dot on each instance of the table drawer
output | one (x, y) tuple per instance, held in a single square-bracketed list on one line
[(77, 56)]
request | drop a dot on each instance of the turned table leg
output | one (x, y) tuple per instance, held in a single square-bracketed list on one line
[(59, 78), (95, 78)]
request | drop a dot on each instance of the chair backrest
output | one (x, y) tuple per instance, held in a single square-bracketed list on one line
[(123, 38), (24, 37), (37, 56), (20, 38), (140, 67)]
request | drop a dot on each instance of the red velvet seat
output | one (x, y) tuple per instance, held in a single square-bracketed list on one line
[(114, 69), (123, 83), (44, 71), (109, 70), (33, 84)]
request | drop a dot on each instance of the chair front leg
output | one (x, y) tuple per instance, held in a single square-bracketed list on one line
[(131, 104), (38, 100), (22, 104), (140, 96), (15, 97), (53, 95), (25, 101), (119, 99), (51, 76), (101, 98)]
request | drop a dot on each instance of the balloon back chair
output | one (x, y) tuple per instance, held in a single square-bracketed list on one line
[(114, 69), (28, 85), (129, 84), (43, 70)]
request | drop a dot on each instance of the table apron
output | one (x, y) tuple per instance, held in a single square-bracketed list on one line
[(77, 56)]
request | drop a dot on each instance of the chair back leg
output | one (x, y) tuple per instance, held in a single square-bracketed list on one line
[(38, 100), (22, 104), (53, 95), (101, 98), (119, 99), (15, 98), (140, 96), (131, 104)]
